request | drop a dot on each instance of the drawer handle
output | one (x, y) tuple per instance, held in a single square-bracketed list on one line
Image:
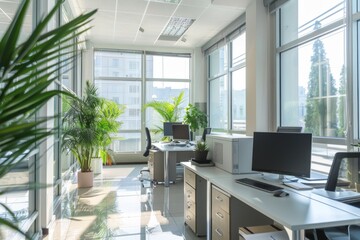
[(188, 203), (219, 215), (219, 198), (219, 232), (188, 217)]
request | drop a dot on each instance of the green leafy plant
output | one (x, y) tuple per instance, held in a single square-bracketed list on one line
[(110, 111), (27, 70), (168, 111), (195, 118), (81, 133), (201, 146)]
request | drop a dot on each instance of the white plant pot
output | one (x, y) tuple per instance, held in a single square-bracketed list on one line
[(85, 179), (96, 165)]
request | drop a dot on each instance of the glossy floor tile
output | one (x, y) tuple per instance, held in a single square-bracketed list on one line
[(119, 206)]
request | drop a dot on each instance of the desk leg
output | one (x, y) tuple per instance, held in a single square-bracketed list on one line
[(166, 168), (295, 235)]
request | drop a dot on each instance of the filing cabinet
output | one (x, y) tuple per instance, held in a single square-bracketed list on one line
[(220, 214), (195, 202), (156, 166)]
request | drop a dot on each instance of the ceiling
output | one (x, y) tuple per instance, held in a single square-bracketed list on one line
[(117, 22)]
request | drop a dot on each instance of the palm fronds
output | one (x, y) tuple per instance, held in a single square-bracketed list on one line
[(27, 71)]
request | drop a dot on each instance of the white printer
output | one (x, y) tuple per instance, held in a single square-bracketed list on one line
[(232, 153)]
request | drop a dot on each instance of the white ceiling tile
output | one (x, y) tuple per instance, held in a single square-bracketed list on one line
[(104, 5), (132, 6), (232, 3), (196, 3), (160, 9), (188, 12), (127, 18)]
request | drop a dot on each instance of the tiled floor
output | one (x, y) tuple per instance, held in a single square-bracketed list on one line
[(119, 207)]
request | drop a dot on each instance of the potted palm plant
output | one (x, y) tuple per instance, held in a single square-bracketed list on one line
[(27, 69), (110, 112), (168, 111), (81, 132), (195, 118)]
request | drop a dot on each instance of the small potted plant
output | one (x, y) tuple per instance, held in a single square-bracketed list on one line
[(201, 151)]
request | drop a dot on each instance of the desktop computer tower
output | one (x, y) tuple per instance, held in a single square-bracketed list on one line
[(232, 153)]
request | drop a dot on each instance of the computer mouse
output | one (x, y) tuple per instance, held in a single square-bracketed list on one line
[(281, 193)]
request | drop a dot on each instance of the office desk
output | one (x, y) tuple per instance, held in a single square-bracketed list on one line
[(170, 148), (299, 211)]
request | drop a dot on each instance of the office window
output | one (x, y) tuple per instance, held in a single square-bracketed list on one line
[(227, 84), (312, 51), (167, 67), (107, 63)]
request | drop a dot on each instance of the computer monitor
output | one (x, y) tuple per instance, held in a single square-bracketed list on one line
[(282, 153), (181, 132), (168, 132)]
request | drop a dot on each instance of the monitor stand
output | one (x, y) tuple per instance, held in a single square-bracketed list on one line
[(275, 178)]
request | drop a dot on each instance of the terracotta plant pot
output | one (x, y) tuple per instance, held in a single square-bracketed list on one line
[(201, 155), (85, 179)]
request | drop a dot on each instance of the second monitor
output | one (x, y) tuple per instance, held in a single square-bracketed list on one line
[(180, 132)]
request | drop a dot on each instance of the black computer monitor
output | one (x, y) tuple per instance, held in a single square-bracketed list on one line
[(168, 132), (181, 132), (282, 153), (287, 129)]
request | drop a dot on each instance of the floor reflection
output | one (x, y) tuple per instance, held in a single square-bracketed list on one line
[(120, 207)]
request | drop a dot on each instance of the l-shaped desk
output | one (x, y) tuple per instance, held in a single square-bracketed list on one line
[(299, 211)]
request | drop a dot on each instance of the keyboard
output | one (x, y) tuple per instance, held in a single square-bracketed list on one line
[(259, 185)]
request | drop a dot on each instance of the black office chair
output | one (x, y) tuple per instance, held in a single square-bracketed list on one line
[(148, 142), (205, 132), (346, 232), (146, 154), (289, 129)]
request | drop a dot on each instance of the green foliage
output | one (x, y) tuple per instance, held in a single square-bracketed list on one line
[(195, 118), (27, 70), (201, 146), (109, 113), (81, 133), (168, 111)]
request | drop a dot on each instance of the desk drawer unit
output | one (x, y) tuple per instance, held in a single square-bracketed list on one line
[(220, 217), (195, 202)]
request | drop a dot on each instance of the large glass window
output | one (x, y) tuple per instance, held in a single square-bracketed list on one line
[(312, 53), (118, 77), (227, 85)]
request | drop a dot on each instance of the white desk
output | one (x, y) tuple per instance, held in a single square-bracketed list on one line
[(170, 148), (297, 212)]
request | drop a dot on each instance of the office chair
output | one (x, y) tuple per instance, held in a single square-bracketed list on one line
[(148, 142), (146, 154), (289, 129), (205, 132), (345, 232)]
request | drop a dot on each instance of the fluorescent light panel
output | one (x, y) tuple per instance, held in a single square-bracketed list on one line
[(176, 28)]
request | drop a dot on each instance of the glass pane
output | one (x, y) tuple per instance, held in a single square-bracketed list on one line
[(239, 100), (238, 50), (126, 142), (219, 103), (167, 67), (301, 17), (164, 91), (313, 86), (117, 64), (127, 93), (20, 202), (218, 62)]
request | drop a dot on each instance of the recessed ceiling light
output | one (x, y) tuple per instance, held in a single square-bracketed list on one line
[(176, 27)]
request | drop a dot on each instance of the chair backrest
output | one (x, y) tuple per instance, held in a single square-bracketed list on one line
[(335, 167), (148, 142), (206, 131), (289, 129)]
